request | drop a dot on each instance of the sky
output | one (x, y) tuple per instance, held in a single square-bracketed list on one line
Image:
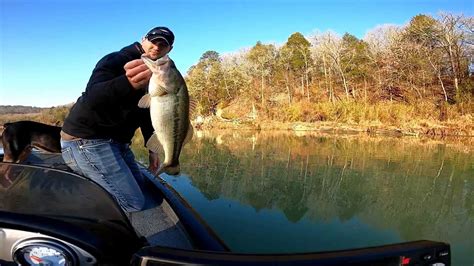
[(48, 48)]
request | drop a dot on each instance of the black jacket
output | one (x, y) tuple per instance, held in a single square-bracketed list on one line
[(108, 107)]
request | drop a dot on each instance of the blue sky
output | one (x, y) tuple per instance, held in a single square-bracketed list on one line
[(48, 48)]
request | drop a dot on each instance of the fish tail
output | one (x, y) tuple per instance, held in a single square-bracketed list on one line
[(168, 169)]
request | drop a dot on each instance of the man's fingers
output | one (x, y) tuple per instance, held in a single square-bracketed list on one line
[(132, 72), (137, 73), (144, 75), (133, 64)]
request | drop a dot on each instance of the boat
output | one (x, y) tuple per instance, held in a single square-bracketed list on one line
[(52, 216)]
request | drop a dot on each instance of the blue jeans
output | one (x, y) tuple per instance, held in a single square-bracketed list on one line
[(111, 165)]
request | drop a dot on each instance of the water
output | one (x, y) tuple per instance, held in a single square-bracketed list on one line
[(271, 193)]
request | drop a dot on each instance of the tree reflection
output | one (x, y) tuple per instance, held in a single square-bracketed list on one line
[(421, 189)]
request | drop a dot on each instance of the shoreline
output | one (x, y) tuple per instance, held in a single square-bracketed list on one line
[(424, 129)]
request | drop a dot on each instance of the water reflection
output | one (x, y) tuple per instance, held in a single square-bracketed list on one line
[(288, 193)]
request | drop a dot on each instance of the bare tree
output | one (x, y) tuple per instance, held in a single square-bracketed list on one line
[(284, 59), (332, 48), (383, 42), (236, 73), (450, 38), (320, 54)]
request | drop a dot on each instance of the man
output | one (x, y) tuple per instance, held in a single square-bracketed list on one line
[(96, 134)]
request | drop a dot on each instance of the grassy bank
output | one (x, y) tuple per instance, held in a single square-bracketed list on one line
[(345, 117)]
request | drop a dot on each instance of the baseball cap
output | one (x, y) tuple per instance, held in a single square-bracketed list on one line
[(160, 33)]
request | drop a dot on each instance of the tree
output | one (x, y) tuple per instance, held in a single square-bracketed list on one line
[(205, 81), (383, 42), (444, 44), (318, 53), (354, 59), (451, 37), (284, 66), (235, 75), (261, 57), (331, 45), (210, 56), (300, 61), (423, 36)]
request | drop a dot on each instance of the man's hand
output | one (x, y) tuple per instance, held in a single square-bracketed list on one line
[(154, 161), (138, 73)]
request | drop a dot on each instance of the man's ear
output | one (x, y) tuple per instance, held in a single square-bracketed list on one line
[(171, 48)]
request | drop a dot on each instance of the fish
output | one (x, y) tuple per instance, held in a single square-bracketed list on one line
[(168, 100)]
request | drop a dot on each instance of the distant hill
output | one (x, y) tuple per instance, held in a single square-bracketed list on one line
[(20, 109), (48, 115)]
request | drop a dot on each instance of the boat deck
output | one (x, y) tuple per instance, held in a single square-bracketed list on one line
[(157, 222)]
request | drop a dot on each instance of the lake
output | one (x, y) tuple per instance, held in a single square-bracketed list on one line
[(286, 192)]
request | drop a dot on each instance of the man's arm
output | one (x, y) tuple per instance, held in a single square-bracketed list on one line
[(114, 77)]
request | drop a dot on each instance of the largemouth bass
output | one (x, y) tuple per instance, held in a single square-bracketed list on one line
[(168, 101)]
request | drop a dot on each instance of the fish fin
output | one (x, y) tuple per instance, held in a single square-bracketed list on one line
[(168, 169), (153, 144), (167, 86), (192, 105), (189, 134), (145, 101), (160, 91)]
